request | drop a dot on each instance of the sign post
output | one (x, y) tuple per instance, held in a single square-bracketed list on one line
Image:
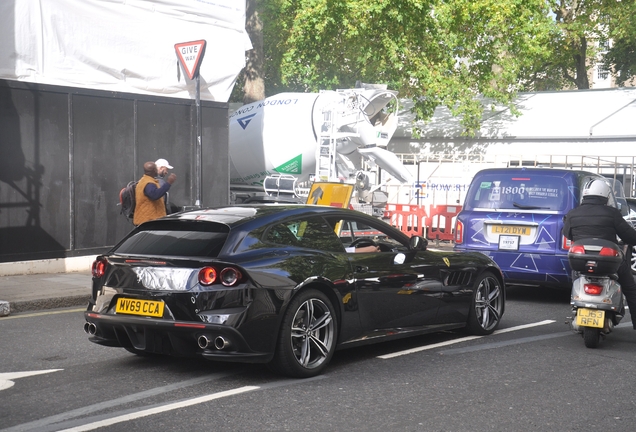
[(190, 55)]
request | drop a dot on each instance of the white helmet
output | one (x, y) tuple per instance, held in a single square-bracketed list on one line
[(597, 187)]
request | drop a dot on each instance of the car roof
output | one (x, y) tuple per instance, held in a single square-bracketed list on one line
[(253, 216), (234, 215), (242, 218), (538, 170)]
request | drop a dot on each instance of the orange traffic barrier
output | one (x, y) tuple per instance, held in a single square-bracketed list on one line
[(410, 219), (442, 222)]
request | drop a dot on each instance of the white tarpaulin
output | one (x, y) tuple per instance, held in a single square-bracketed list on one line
[(123, 45)]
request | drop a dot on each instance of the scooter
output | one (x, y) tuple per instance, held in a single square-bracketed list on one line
[(596, 299)]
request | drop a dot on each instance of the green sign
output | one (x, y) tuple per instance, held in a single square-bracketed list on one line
[(292, 166)]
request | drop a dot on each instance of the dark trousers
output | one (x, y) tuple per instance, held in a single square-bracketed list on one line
[(626, 279)]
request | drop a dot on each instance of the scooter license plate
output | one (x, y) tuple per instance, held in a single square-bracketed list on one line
[(590, 318)]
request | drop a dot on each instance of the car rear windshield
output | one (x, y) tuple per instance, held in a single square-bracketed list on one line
[(205, 240), (517, 192)]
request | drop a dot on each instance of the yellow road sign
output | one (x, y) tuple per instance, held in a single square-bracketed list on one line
[(330, 194)]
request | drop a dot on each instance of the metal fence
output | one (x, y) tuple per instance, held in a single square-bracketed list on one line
[(444, 178)]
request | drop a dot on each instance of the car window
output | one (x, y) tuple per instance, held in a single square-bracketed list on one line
[(358, 229), (312, 233), (518, 192), (173, 242), (281, 234), (352, 230)]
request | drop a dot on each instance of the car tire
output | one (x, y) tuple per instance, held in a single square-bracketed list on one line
[(487, 305), (591, 337), (307, 338)]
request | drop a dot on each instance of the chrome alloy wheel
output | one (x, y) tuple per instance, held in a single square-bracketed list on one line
[(489, 304), (312, 333)]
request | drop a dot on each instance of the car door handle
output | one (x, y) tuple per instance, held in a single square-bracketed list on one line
[(360, 269)]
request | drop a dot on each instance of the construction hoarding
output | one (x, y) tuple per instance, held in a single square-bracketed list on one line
[(122, 46)]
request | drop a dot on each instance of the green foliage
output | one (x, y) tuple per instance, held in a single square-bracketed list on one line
[(437, 52), (621, 57), (578, 40)]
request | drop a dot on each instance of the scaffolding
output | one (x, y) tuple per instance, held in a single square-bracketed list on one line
[(444, 178)]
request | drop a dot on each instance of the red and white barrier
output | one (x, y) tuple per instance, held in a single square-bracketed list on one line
[(442, 222), (436, 224)]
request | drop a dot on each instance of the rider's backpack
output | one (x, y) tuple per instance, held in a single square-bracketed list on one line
[(127, 200)]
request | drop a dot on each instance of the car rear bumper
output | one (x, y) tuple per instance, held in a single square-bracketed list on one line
[(530, 268), (169, 337)]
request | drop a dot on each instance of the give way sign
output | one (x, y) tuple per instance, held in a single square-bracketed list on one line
[(190, 55)]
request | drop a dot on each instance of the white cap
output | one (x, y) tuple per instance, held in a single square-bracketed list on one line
[(163, 163)]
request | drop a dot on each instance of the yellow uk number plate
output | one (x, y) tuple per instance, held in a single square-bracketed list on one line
[(590, 318), (139, 307), (510, 229)]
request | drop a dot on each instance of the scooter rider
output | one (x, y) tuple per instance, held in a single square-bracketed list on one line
[(594, 218)]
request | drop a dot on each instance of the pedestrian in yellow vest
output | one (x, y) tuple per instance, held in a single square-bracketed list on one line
[(149, 195)]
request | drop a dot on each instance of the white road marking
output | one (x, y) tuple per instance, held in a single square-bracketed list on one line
[(524, 326), (6, 378), (163, 408), (428, 347), (34, 314), (464, 339), (501, 344), (103, 405), (87, 424)]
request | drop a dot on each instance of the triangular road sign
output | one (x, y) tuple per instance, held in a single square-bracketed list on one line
[(190, 55)]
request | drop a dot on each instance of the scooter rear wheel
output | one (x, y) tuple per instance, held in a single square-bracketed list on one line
[(591, 337)]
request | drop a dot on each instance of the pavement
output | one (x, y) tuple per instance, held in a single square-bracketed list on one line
[(52, 289), (30, 292)]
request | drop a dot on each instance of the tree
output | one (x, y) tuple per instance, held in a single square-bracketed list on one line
[(250, 84), (582, 31), (576, 44), (254, 83), (433, 51), (621, 56), (444, 52), (578, 22)]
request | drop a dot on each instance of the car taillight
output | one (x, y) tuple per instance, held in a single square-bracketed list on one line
[(578, 249), (207, 276), (610, 252), (459, 232), (99, 268), (230, 276), (565, 243), (593, 289)]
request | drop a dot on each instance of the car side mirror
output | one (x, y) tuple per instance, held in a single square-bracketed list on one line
[(418, 243)]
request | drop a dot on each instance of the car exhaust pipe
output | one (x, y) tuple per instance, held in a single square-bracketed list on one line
[(221, 343), (90, 328), (218, 343), (203, 342)]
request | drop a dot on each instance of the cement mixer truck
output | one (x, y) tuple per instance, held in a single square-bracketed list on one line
[(289, 140)]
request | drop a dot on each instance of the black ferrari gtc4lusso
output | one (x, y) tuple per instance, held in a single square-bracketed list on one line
[(285, 285)]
